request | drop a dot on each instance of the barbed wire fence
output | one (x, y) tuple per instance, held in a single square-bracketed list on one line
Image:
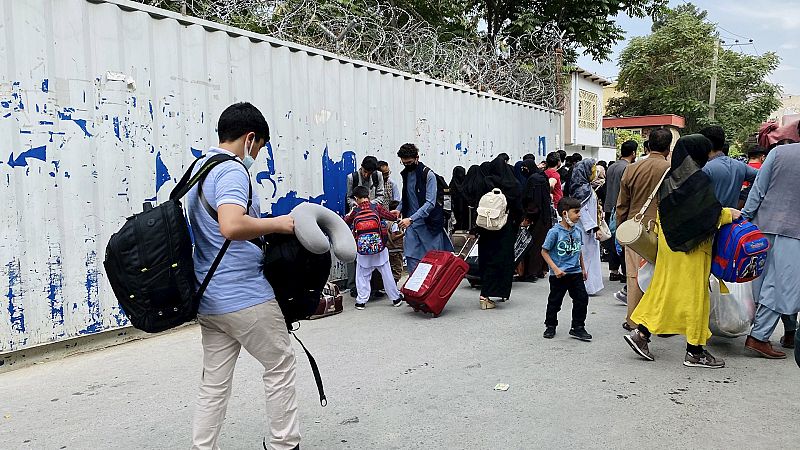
[(525, 68)]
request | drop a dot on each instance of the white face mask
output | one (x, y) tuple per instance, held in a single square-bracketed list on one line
[(248, 160), (569, 222)]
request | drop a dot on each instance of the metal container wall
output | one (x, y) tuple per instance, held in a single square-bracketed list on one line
[(103, 105)]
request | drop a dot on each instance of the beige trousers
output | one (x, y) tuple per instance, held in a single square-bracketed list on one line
[(261, 330), (632, 262)]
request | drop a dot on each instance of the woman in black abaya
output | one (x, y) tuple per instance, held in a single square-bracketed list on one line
[(496, 248)]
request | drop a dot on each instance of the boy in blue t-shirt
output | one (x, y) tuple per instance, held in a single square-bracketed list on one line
[(562, 252)]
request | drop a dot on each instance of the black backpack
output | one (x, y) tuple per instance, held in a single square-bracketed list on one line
[(437, 218), (149, 262), (356, 181)]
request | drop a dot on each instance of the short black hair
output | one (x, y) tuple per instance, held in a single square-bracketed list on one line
[(394, 204), (660, 140), (603, 164), (726, 148), (360, 192), (408, 151), (383, 164), (552, 159), (756, 151), (370, 164), (628, 148), (562, 155), (576, 157), (529, 156), (567, 203), (240, 119), (646, 145), (716, 135)]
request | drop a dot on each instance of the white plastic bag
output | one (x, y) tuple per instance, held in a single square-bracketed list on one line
[(732, 312), (645, 274)]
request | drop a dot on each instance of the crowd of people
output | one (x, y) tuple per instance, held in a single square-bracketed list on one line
[(683, 190)]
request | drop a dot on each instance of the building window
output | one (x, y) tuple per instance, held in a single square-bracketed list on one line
[(587, 109)]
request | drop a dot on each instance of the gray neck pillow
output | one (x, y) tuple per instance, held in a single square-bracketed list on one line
[(320, 230)]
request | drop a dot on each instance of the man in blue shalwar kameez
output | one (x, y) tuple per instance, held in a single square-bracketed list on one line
[(423, 215)]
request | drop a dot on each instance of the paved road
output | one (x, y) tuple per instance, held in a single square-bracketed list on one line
[(400, 380)]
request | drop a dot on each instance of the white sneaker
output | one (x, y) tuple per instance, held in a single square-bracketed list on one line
[(622, 297)]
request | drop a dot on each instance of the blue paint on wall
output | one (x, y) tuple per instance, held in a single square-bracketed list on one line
[(45, 85), (22, 160), (116, 128), (15, 309), (334, 179), (54, 295), (461, 148), (286, 204), (162, 174), (542, 146), (267, 174), (67, 115), (196, 152), (92, 298), (150, 106)]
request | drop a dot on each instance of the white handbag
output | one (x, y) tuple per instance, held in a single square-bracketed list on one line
[(640, 237)]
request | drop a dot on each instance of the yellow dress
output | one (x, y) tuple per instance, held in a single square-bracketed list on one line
[(677, 300)]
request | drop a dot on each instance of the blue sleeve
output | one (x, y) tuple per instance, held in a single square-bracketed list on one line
[(550, 240), (759, 189), (396, 194), (231, 185), (430, 198)]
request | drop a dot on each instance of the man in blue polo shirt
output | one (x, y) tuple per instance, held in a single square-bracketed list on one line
[(238, 309), (727, 174)]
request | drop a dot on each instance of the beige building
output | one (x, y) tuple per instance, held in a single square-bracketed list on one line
[(788, 111)]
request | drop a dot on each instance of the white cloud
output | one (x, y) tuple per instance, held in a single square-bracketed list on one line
[(789, 46), (786, 68)]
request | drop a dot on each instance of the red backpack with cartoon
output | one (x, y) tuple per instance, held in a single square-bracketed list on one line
[(368, 231)]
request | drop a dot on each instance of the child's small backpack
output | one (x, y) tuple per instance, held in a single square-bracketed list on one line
[(368, 232), (740, 252), (492, 211)]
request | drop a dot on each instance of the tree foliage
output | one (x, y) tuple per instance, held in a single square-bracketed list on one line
[(669, 72)]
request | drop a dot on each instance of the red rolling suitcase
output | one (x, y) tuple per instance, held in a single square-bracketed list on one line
[(434, 280)]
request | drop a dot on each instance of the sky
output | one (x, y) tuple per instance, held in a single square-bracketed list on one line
[(773, 25)]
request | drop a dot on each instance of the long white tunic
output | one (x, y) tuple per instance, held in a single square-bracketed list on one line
[(591, 246)]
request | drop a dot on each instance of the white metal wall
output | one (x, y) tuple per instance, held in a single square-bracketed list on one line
[(102, 105)]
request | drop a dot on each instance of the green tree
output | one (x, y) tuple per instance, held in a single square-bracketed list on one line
[(669, 72), (589, 25)]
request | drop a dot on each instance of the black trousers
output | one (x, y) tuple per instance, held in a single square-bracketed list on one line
[(615, 261), (572, 283)]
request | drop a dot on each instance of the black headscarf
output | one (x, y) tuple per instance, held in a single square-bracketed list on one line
[(688, 208), (536, 193), (490, 175), (459, 173)]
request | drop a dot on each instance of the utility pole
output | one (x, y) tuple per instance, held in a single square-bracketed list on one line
[(712, 96)]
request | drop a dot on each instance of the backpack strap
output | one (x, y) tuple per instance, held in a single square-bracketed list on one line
[(210, 209), (315, 370)]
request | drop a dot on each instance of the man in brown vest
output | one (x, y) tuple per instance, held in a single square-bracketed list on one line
[(638, 182)]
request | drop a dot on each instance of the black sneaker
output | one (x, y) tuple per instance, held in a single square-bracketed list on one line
[(580, 333), (361, 306), (549, 333), (378, 294), (398, 302), (353, 293)]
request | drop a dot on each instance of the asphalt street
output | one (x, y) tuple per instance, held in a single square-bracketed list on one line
[(396, 379)]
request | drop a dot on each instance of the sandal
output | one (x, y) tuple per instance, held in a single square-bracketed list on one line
[(487, 303)]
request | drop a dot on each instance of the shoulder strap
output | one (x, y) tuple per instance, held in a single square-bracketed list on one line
[(639, 216), (375, 180), (356, 181), (188, 180), (315, 370)]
